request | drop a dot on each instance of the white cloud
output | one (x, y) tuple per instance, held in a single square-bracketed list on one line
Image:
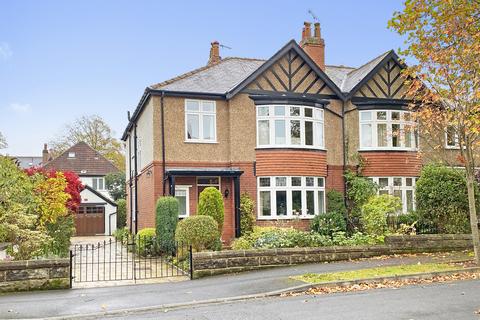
[(20, 107), (5, 51)]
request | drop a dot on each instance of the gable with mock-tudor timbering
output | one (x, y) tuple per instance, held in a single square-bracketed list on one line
[(290, 70)]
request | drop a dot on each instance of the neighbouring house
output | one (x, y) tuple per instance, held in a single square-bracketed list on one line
[(26, 162), (283, 130), (97, 212)]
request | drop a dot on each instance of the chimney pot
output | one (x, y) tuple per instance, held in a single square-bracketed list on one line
[(45, 154), (308, 32), (214, 53), (317, 30), (313, 46)]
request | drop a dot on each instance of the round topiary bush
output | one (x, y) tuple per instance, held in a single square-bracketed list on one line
[(211, 204), (146, 242), (166, 223), (199, 231)]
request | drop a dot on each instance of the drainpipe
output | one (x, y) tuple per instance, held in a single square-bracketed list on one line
[(163, 141), (136, 175), (130, 182), (344, 153)]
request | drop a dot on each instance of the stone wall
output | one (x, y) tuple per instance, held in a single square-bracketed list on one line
[(212, 263), (34, 275)]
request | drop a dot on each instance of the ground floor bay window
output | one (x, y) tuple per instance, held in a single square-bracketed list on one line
[(290, 197), (401, 187)]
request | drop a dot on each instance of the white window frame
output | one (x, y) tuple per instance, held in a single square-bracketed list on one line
[(456, 145), (391, 188), (389, 122), (200, 113), (317, 119), (185, 188), (98, 179), (289, 188)]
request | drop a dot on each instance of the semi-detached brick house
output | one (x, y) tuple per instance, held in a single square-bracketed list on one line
[(283, 130)]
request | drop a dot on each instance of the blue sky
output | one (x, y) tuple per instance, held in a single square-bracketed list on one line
[(63, 59)]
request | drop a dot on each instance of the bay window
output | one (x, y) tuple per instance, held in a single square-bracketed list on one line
[(401, 187), (289, 126), (387, 129), (200, 121), (290, 197)]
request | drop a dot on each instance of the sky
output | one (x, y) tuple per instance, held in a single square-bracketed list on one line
[(60, 60)]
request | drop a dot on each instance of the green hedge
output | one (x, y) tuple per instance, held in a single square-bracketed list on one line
[(121, 213), (201, 232), (166, 223)]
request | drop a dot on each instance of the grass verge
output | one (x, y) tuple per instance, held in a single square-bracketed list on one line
[(372, 273)]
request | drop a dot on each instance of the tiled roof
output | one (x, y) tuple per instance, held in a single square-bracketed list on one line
[(219, 77), (85, 162)]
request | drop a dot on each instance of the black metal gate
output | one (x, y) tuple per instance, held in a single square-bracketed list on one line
[(130, 258)]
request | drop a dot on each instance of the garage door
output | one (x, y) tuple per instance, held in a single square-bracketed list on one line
[(90, 220)]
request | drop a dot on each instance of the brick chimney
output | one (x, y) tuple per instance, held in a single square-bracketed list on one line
[(45, 154), (214, 53), (313, 46)]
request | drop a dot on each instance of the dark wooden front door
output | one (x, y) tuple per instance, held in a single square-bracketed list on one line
[(90, 220)]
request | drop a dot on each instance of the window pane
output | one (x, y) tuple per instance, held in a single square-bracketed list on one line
[(181, 196), (382, 134), (395, 115), (192, 106), (308, 133), (395, 135), (265, 203), (279, 110), (295, 111), (100, 184), (281, 197), (263, 132), (409, 196), (94, 184), (280, 132), (310, 203), (295, 131), (320, 182), (208, 127), (383, 192), (381, 115), (310, 181), (383, 182), (208, 107), (408, 182), (407, 116), (296, 181), (319, 134), (296, 202), (263, 111), (318, 114), (366, 135), (321, 202), (308, 113), (281, 181), (264, 182), (366, 116), (398, 194), (408, 136), (397, 182), (192, 126), (451, 137), (208, 180)]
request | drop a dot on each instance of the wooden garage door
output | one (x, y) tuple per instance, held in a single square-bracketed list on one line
[(90, 220)]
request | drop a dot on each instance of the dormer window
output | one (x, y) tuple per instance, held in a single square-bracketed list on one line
[(71, 154)]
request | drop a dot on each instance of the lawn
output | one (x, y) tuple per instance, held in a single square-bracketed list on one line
[(378, 272)]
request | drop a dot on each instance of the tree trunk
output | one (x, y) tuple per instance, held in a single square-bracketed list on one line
[(473, 215)]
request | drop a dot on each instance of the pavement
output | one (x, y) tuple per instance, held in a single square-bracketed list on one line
[(446, 301), (30, 305)]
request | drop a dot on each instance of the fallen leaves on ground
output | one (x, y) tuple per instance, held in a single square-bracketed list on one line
[(386, 284)]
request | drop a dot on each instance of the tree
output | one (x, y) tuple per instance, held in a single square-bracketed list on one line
[(3, 142), (115, 183), (94, 131), (444, 37)]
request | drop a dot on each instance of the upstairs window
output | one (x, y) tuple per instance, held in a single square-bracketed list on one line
[(387, 129), (98, 183), (451, 138), (289, 126), (200, 121)]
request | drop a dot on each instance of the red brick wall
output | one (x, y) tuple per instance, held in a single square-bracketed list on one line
[(335, 178), (271, 162), (386, 164)]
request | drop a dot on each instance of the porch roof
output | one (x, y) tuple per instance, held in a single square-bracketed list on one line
[(204, 172)]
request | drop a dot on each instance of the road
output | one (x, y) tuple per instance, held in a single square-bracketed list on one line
[(452, 301)]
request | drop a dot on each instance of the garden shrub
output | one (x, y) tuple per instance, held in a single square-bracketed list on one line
[(121, 213), (441, 197), (146, 242), (200, 231), (247, 208), (328, 223), (166, 223), (375, 212), (211, 204), (122, 234), (422, 225), (359, 191), (60, 233), (336, 202)]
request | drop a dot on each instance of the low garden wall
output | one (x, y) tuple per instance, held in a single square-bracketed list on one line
[(34, 275), (212, 263)]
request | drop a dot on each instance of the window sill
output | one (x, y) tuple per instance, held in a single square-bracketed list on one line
[(291, 147), (388, 149), (277, 218), (200, 142), (452, 147)]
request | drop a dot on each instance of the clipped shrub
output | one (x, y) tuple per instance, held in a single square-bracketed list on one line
[(121, 213), (146, 243), (441, 197), (375, 212), (211, 204), (60, 233), (200, 231), (166, 223), (247, 218), (328, 223), (336, 202)]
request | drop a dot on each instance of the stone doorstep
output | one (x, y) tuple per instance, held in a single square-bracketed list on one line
[(414, 276)]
